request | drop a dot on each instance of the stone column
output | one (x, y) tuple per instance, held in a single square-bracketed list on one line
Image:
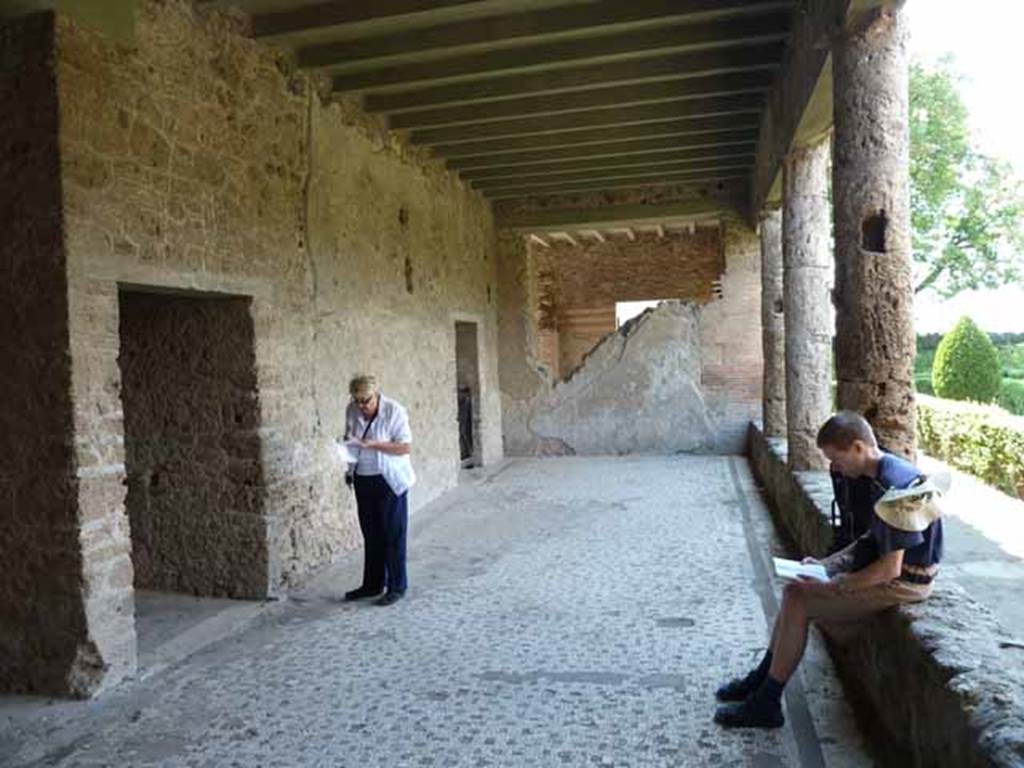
[(772, 324), (807, 273), (875, 343)]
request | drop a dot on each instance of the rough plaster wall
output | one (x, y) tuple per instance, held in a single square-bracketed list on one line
[(191, 419), (705, 408), (638, 392), (522, 376), (197, 160), (45, 640), (380, 222)]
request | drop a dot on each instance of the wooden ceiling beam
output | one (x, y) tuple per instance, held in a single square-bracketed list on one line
[(597, 174), (614, 97), (545, 218), (531, 59), (747, 104), (510, 149), (604, 185), (696, 145), (577, 19), (341, 12), (649, 160), (656, 68)]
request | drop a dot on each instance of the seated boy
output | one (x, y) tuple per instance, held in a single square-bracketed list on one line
[(887, 566)]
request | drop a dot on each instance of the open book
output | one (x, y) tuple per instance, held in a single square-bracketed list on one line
[(793, 570), (346, 453)]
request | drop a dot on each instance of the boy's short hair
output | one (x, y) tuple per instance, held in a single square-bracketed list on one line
[(842, 429)]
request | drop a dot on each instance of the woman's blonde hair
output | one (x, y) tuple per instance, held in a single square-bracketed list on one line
[(363, 384)]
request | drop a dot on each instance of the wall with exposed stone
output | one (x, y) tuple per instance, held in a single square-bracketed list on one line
[(191, 429), (198, 160), (194, 159), (46, 640), (684, 377)]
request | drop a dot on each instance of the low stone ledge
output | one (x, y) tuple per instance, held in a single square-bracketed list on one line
[(939, 683)]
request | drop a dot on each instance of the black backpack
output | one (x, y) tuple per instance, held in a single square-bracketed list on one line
[(854, 499)]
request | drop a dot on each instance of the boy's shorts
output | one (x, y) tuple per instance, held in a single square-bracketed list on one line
[(842, 616)]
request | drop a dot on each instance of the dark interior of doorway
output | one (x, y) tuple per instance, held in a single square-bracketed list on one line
[(192, 446), (467, 382)]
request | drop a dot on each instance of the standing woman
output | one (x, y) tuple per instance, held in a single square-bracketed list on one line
[(377, 429)]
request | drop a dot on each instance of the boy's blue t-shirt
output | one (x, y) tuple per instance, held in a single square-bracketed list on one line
[(920, 548)]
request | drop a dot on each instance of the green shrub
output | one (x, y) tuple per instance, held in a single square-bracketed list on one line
[(982, 440), (1012, 396), (1012, 358), (923, 383), (923, 362), (967, 365)]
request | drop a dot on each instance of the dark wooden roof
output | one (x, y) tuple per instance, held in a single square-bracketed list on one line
[(534, 97)]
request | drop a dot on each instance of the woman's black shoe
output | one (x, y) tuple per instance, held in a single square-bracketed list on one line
[(390, 598), (362, 592)]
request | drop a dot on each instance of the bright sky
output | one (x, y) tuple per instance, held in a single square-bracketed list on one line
[(985, 39)]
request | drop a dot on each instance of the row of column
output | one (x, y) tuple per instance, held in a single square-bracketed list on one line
[(870, 218)]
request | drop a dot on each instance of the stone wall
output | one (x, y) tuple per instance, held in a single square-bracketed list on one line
[(195, 159), (198, 160), (46, 643), (938, 683), (191, 419), (692, 371)]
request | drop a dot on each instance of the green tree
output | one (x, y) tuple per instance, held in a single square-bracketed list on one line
[(967, 365), (966, 208)]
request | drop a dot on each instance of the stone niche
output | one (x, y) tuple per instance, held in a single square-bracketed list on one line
[(192, 447)]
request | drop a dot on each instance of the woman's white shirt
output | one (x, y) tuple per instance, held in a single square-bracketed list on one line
[(390, 425)]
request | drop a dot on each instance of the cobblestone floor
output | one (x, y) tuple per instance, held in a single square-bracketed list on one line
[(570, 612)]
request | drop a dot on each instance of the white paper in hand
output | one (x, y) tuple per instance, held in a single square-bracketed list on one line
[(794, 570), (343, 452)]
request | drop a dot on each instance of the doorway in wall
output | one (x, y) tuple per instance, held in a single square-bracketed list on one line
[(467, 384), (192, 445)]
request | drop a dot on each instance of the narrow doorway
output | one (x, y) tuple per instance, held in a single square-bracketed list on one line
[(192, 447), (467, 396)]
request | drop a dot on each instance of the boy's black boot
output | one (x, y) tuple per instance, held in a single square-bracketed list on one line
[(739, 688), (761, 709)]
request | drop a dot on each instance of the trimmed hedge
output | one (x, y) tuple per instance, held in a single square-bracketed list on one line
[(967, 365), (1012, 396), (982, 440)]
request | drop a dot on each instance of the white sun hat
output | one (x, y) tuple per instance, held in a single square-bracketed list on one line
[(913, 509)]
